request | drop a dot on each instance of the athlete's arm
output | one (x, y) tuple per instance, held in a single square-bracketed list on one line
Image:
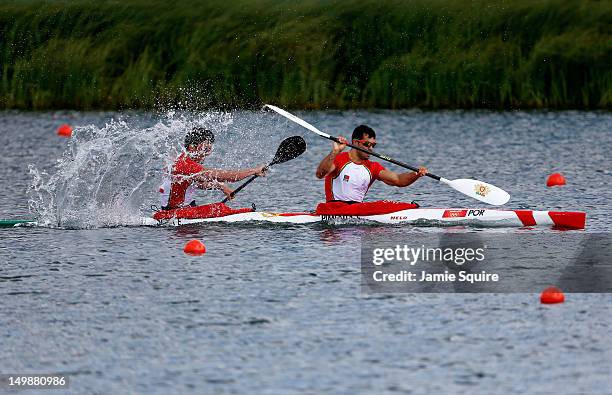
[(402, 179), (214, 184), (229, 175), (227, 191), (327, 164)]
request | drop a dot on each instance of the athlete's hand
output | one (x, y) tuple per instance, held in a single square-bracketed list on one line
[(261, 170), (337, 148), (422, 171), (227, 191)]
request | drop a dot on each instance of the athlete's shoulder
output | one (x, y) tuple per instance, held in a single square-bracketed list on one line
[(374, 167), (342, 157), (339, 162), (185, 165)]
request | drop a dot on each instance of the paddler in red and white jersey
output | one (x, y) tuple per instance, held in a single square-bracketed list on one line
[(349, 175), (188, 174)]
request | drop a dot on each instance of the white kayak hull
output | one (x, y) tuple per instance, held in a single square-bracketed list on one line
[(425, 216)]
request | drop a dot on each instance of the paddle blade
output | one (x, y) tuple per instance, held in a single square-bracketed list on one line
[(289, 148), (479, 190), (297, 120)]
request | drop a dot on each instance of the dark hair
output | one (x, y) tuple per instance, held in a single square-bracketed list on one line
[(199, 135), (362, 130)]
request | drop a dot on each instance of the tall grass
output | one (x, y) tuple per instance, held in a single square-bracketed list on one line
[(314, 54)]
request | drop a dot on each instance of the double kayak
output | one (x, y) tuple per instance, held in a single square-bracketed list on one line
[(383, 212)]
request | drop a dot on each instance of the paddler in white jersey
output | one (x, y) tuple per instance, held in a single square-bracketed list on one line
[(349, 175)]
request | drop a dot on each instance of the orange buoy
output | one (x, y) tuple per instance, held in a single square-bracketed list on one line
[(194, 247), (555, 179), (64, 130), (552, 295)]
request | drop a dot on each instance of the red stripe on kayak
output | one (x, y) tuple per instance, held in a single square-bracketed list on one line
[(568, 219), (454, 213), (526, 217), (212, 210), (363, 209)]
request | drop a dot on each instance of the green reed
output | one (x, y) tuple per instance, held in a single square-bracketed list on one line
[(316, 54)]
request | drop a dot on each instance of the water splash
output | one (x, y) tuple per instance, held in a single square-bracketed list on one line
[(108, 176)]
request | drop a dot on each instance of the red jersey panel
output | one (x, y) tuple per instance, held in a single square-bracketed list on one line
[(182, 169)]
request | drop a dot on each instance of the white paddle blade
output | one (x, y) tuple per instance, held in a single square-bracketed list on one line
[(482, 191), (296, 120)]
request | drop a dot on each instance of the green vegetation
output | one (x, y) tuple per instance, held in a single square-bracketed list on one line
[(313, 54)]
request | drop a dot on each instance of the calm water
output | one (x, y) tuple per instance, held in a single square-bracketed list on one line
[(279, 309)]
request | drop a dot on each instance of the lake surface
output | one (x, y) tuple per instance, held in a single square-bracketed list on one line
[(119, 308)]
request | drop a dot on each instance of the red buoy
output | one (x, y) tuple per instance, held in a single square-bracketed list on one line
[(194, 247), (555, 179), (552, 295), (64, 130)]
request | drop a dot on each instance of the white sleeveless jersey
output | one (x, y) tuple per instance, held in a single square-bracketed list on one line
[(164, 191), (166, 186), (350, 181)]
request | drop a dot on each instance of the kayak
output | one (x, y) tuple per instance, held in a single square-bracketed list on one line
[(478, 217), (381, 212), (394, 213)]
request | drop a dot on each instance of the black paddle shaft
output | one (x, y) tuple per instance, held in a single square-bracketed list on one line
[(247, 182), (384, 157), (289, 148)]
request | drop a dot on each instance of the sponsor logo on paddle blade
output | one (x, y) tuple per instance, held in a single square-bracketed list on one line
[(481, 190)]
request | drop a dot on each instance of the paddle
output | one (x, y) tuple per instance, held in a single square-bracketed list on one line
[(482, 191), (289, 148)]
